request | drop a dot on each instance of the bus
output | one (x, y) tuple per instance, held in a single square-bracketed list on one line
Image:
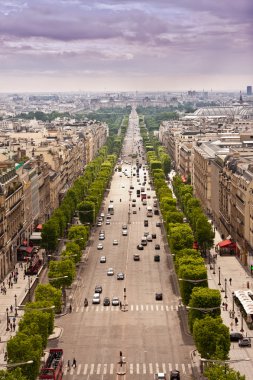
[(111, 209)]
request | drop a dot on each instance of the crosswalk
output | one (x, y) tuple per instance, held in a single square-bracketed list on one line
[(132, 368), (139, 308)]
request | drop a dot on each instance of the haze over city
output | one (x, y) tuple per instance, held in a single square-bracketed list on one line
[(143, 45)]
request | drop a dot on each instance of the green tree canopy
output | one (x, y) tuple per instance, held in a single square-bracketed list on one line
[(12, 374), (222, 372), (48, 293)]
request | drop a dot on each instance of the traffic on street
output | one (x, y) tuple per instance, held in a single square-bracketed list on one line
[(124, 300)]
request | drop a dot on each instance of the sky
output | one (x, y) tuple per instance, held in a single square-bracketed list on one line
[(127, 45)]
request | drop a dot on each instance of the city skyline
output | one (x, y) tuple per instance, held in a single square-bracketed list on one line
[(142, 45)]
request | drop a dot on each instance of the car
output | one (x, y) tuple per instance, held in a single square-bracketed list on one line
[(110, 272), (245, 342), (149, 238), (123, 186), (157, 246), (124, 233), (96, 298), (101, 237), (159, 296), (174, 374), (140, 247), (131, 187), (103, 259), (107, 222), (124, 226), (160, 376), (115, 301), (115, 242), (99, 224), (120, 276), (100, 219), (156, 258), (134, 212), (145, 223), (146, 233), (158, 224), (133, 204), (108, 217), (235, 336), (156, 212), (134, 200), (153, 236), (136, 257), (98, 289), (106, 301), (100, 246)]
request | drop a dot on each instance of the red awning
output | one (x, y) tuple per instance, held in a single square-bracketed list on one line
[(195, 245), (29, 249), (224, 243), (39, 227), (25, 242)]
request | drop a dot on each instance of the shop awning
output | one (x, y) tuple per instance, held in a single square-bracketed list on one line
[(29, 249), (25, 242), (24, 249), (225, 243), (39, 227)]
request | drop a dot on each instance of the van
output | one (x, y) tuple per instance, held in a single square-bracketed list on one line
[(144, 240)]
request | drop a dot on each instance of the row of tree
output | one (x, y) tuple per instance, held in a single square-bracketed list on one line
[(211, 336), (37, 324)]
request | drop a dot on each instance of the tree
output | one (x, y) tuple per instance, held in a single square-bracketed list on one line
[(191, 273), (221, 372), (204, 233), (72, 251), (50, 234), (180, 236), (48, 293), (35, 322), (212, 338), (12, 374), (86, 212), (203, 298), (61, 272), (22, 348)]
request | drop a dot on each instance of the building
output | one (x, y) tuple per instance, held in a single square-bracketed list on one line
[(249, 90)]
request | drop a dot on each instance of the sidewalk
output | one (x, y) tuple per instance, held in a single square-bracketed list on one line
[(230, 268), (7, 301)]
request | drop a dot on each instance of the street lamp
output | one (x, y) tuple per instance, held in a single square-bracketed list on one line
[(16, 306), (7, 319), (226, 296), (13, 365), (219, 283), (242, 330), (233, 305), (214, 267)]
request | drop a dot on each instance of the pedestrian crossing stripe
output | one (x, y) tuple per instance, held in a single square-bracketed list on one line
[(139, 308), (132, 368)]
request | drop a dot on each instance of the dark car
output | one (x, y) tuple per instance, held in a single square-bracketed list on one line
[(98, 289), (107, 301), (156, 258), (157, 246), (136, 257), (158, 224), (159, 296), (156, 212), (175, 375), (235, 336), (153, 236), (140, 247)]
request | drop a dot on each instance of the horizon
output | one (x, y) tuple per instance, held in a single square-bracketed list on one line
[(125, 46)]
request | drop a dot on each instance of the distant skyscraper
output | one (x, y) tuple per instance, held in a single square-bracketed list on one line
[(249, 90)]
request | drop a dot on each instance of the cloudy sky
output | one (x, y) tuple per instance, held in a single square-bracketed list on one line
[(110, 45)]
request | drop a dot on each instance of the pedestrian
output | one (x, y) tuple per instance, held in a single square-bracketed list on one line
[(74, 363), (68, 365), (230, 281), (226, 306), (11, 284), (11, 308), (11, 326), (14, 326), (70, 308), (223, 305), (120, 305), (236, 321)]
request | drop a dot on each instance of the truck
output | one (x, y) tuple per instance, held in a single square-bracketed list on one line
[(53, 367)]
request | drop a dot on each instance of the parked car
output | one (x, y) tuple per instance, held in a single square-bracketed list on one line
[(245, 342), (235, 336)]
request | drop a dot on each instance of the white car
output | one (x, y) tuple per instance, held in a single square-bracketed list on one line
[(96, 298), (123, 186), (108, 222), (115, 301), (100, 246), (115, 242), (101, 237), (124, 233), (110, 272), (103, 259)]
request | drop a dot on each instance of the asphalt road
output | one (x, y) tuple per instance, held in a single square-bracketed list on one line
[(150, 333)]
